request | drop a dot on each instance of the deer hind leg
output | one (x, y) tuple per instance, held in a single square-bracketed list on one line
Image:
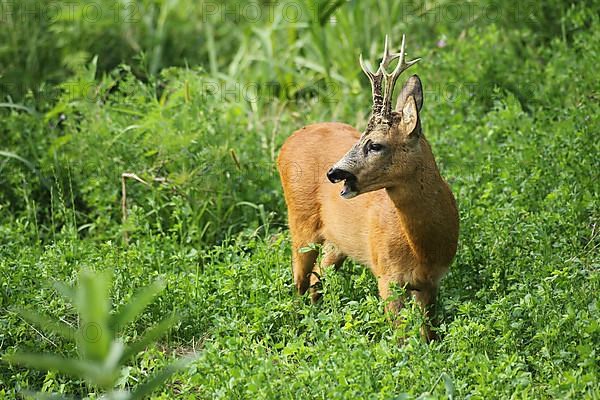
[(332, 256), (304, 232), (302, 265)]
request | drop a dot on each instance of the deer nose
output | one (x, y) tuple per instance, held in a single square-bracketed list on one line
[(335, 175)]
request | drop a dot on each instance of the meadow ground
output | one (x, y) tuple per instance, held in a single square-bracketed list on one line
[(196, 102)]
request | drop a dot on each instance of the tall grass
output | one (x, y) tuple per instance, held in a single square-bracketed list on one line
[(290, 43)]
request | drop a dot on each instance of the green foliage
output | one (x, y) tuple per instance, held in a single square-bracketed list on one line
[(196, 102), (102, 354), (198, 150)]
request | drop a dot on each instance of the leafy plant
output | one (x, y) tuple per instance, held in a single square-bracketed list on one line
[(102, 353)]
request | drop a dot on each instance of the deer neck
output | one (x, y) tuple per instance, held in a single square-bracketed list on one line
[(427, 213)]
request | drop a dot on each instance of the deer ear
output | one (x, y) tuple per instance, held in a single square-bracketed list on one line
[(413, 88), (410, 115)]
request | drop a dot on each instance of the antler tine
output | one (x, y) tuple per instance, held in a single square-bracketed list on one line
[(387, 55), (365, 68), (405, 65), (376, 87), (391, 78)]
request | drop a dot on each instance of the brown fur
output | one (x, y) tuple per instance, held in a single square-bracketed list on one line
[(403, 224)]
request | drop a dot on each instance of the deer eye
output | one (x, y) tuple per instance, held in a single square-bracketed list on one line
[(374, 147)]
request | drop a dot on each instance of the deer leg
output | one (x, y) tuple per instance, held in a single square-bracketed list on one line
[(331, 257), (304, 231), (392, 306), (302, 266), (425, 297)]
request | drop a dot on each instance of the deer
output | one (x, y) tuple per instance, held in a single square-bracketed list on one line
[(395, 213)]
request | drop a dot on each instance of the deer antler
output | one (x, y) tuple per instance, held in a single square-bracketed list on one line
[(376, 88), (382, 101)]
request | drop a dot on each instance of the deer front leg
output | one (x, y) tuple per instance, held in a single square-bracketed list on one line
[(392, 307), (425, 296)]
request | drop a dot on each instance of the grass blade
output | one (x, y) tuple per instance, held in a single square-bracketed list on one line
[(19, 107), (328, 11), (9, 154)]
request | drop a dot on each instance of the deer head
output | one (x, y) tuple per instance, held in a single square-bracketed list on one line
[(389, 149)]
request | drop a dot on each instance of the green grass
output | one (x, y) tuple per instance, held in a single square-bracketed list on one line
[(512, 113)]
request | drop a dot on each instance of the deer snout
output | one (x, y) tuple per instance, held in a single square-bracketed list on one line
[(336, 175)]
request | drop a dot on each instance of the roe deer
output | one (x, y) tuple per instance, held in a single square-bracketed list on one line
[(395, 213)]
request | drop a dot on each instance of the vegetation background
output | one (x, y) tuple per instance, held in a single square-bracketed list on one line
[(196, 97)]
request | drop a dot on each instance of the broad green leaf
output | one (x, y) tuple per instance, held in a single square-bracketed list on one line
[(114, 356), (160, 377), (77, 368), (45, 396), (151, 335), (449, 385), (136, 305), (47, 324), (65, 291), (93, 304)]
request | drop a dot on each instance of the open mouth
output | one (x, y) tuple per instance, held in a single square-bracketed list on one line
[(336, 175), (349, 189)]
